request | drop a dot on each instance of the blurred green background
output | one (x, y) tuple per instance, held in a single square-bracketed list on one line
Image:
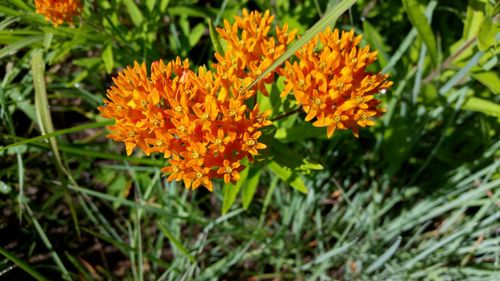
[(414, 198)]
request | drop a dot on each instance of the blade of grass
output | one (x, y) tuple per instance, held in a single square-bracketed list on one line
[(327, 256), (64, 272), (175, 241), (14, 47), (146, 206), (384, 257), (330, 16), (461, 74), (96, 154), (41, 102), (59, 133), (23, 265)]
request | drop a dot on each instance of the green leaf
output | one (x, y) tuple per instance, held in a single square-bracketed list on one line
[(473, 20), (300, 132), (175, 241), (135, 13), (164, 5), (214, 36), (329, 17), (107, 58), (195, 34), (23, 265), (482, 105), (284, 156), (488, 28), (308, 166), (489, 79), (231, 191), (150, 4), (251, 186), (14, 47), (288, 176), (418, 20), (21, 4)]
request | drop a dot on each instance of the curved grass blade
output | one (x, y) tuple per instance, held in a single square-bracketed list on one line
[(41, 102), (385, 256), (331, 16), (11, 48), (23, 265), (176, 242), (59, 133), (43, 236)]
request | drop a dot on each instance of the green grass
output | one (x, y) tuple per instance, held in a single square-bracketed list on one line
[(414, 198)]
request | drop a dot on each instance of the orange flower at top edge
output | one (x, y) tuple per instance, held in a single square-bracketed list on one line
[(58, 11), (250, 47), (332, 84)]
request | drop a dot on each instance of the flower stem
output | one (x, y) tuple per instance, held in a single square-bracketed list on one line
[(286, 114)]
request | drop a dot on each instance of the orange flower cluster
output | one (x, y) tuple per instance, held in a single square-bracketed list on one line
[(58, 11), (202, 121), (332, 84), (202, 126), (250, 49)]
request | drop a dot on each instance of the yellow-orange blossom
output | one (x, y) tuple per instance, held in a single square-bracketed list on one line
[(200, 120), (332, 84), (58, 11)]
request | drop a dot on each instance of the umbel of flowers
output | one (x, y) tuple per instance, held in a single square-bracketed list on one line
[(201, 120), (58, 11), (329, 80)]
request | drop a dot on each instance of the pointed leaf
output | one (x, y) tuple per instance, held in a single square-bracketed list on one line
[(418, 20)]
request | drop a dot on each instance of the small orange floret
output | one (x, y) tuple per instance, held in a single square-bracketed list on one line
[(199, 124), (58, 11), (332, 84)]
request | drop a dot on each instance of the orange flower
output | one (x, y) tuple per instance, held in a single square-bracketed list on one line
[(230, 171), (199, 124), (58, 11), (332, 85), (250, 48)]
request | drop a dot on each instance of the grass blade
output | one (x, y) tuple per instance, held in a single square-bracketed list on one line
[(175, 242), (46, 242), (23, 265), (11, 48), (59, 133), (384, 257), (42, 103)]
